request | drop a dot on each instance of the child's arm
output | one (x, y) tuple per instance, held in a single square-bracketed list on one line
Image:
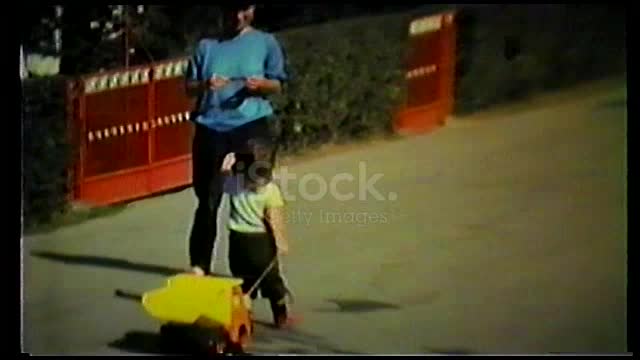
[(227, 163), (275, 217)]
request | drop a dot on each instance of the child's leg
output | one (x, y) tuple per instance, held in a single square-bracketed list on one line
[(274, 289), (248, 258), (240, 270), (239, 265)]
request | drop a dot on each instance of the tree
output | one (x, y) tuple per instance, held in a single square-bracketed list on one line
[(106, 36), (39, 24)]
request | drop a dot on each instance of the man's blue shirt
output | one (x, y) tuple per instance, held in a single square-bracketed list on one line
[(252, 54)]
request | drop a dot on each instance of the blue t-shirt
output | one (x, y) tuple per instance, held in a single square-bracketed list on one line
[(252, 54)]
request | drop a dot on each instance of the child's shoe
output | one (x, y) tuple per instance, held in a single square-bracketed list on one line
[(281, 316), (286, 321)]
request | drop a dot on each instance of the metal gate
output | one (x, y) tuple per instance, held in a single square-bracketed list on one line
[(430, 74), (132, 131)]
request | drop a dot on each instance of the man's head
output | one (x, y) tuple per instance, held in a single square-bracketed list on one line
[(237, 15)]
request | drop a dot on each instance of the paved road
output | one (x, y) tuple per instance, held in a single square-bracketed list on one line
[(502, 233)]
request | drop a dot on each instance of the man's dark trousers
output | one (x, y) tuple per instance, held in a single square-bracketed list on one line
[(209, 149)]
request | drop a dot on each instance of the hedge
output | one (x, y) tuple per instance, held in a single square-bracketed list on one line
[(509, 51), (46, 152), (348, 76), (346, 80)]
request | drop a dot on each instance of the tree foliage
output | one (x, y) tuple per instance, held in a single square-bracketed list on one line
[(93, 37)]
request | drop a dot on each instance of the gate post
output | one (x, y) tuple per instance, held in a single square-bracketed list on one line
[(76, 128), (449, 63), (70, 112), (151, 118), (430, 75)]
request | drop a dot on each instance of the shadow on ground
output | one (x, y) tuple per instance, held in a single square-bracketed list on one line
[(286, 342), (267, 340), (143, 342), (107, 262), (357, 306)]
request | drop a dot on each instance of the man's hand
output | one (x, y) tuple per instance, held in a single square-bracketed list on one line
[(262, 86), (196, 88), (255, 84), (217, 82)]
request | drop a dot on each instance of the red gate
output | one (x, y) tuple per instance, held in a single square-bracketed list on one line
[(132, 131), (430, 74)]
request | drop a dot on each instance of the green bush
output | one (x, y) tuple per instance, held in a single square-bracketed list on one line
[(46, 152), (512, 51), (347, 80)]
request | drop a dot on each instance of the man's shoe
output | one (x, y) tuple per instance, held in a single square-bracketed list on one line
[(196, 270)]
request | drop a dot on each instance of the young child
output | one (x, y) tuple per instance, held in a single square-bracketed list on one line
[(257, 224)]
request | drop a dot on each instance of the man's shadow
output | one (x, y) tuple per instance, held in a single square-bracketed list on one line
[(107, 262), (112, 263)]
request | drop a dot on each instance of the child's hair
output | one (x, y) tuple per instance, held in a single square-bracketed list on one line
[(256, 164)]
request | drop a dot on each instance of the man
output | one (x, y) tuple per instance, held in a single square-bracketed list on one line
[(231, 78)]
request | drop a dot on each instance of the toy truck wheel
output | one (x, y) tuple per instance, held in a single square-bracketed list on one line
[(244, 337), (217, 344), (217, 348), (240, 347)]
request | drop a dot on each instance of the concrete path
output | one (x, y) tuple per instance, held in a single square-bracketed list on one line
[(501, 233)]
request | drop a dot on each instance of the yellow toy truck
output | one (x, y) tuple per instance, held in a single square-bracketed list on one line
[(210, 310)]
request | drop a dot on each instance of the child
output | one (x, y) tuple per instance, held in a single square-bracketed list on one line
[(256, 224)]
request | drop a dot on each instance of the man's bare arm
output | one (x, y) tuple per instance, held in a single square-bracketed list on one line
[(264, 86), (272, 86)]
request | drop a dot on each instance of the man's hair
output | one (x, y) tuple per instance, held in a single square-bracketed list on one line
[(234, 6)]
